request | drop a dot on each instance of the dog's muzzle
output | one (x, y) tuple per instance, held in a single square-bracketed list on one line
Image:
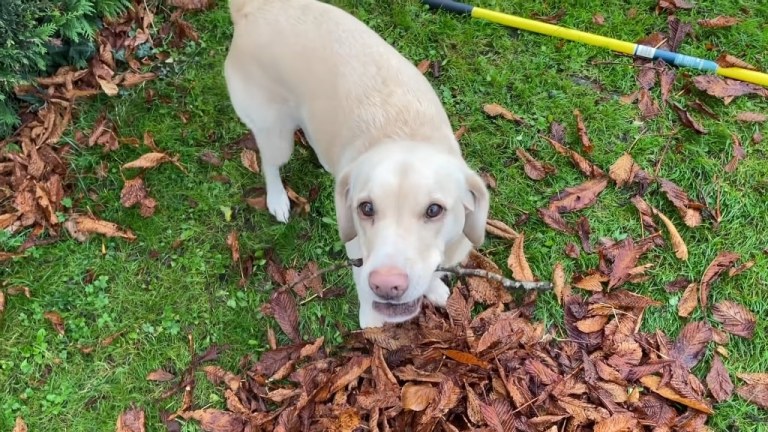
[(398, 310)]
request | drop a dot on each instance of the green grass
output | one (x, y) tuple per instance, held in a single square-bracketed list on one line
[(158, 295)]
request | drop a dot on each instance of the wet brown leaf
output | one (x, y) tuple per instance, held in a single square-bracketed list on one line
[(754, 393), (727, 61), (465, 358), (191, 4), (423, 66), (588, 168), (532, 167), (500, 229), (250, 160), (495, 110), (687, 120), (578, 197), (722, 262), (20, 425), (738, 154), (558, 283), (234, 246), (689, 300), (590, 282), (752, 117), (213, 420), (736, 318), (80, 226), (56, 321), (623, 170), (677, 32), (687, 208), (653, 383), (678, 244), (753, 378), (553, 219), (586, 144), (160, 375), (727, 89), (691, 343), (517, 261), (147, 161), (617, 423), (649, 108), (286, 313), (598, 19), (742, 268), (719, 22), (718, 381), (132, 420), (572, 250), (416, 397)]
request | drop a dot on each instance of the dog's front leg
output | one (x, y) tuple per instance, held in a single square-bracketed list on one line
[(438, 292)]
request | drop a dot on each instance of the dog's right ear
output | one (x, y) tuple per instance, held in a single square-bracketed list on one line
[(344, 207)]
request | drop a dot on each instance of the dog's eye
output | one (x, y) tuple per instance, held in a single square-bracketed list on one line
[(366, 209), (434, 210)]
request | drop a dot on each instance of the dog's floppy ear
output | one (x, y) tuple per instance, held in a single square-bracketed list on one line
[(476, 203), (344, 207)]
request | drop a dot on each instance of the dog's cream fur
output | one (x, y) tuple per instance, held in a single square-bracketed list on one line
[(375, 124)]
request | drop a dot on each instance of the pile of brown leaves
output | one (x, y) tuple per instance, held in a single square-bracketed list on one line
[(496, 371), (35, 180)]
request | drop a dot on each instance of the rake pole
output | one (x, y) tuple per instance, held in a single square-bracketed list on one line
[(617, 45)]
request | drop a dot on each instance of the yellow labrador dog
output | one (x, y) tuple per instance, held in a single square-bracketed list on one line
[(406, 201)]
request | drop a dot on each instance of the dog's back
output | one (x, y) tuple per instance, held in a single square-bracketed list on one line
[(301, 51)]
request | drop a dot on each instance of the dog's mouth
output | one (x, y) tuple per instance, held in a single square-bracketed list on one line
[(398, 310)]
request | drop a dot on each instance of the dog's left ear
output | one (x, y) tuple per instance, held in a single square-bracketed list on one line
[(344, 207), (476, 203)]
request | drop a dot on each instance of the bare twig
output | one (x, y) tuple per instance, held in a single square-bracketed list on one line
[(338, 266), (507, 283)]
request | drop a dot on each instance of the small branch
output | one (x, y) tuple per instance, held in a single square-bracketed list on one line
[(507, 283)]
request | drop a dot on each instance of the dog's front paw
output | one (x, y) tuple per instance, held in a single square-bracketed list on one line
[(279, 205), (438, 292)]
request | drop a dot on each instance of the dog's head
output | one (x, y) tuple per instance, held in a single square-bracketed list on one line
[(407, 206)]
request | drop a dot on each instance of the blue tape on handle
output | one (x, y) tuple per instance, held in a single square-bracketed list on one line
[(676, 59)]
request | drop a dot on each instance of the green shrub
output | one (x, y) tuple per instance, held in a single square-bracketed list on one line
[(37, 36)]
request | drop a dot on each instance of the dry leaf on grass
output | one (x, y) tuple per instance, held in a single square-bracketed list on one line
[(654, 384), (286, 313), (423, 66), (517, 262), (417, 397), (250, 160), (678, 244), (719, 22), (727, 89), (135, 192), (742, 268), (132, 420), (590, 282), (722, 262), (500, 229), (234, 246), (496, 110), (726, 61), (687, 120), (588, 168), (752, 117), (213, 420), (532, 167), (718, 381), (149, 160), (559, 286), (689, 300), (191, 4), (56, 321), (80, 226), (586, 143), (688, 209), (160, 375), (736, 318), (754, 393), (578, 197), (20, 425), (553, 219), (738, 154)]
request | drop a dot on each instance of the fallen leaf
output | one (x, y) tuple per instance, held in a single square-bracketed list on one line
[(719, 22), (56, 321), (649, 108), (598, 19), (689, 300), (553, 219), (691, 343), (250, 160), (489, 180), (578, 197), (590, 282), (495, 110), (687, 208), (722, 262), (211, 158), (718, 381), (623, 170), (131, 420), (592, 324), (754, 393), (423, 66), (736, 318), (20, 425), (191, 4), (735, 270), (558, 283), (532, 167), (673, 5), (148, 160), (677, 32), (160, 376), (79, 226), (757, 138), (500, 229), (653, 383), (726, 61), (588, 168), (617, 423), (738, 154), (518, 263), (678, 244), (460, 132), (286, 313), (753, 378), (16, 290), (234, 246), (465, 358), (213, 420), (586, 144), (752, 117), (687, 120), (572, 250), (727, 89)]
